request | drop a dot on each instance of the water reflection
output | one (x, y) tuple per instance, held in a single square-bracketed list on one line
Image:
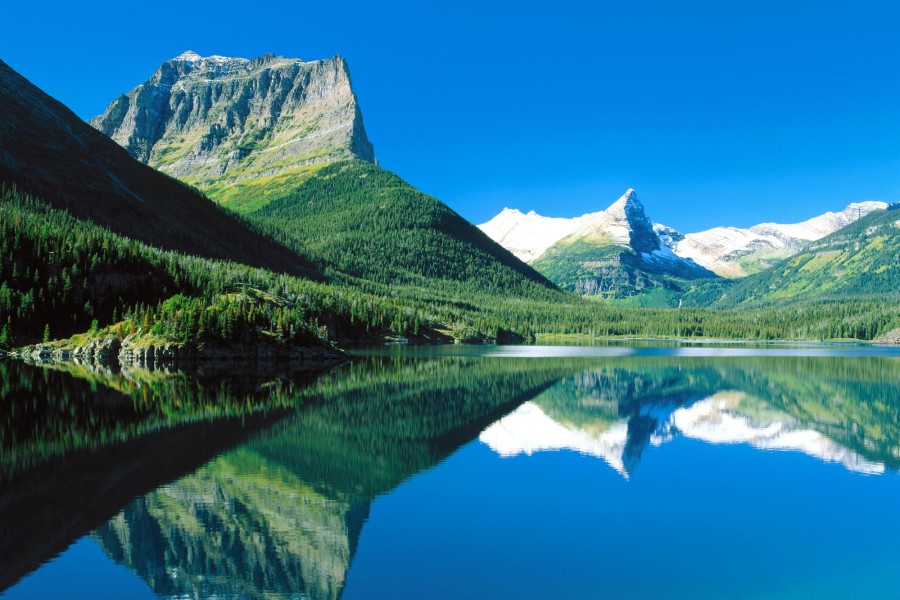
[(833, 409), (291, 468), (281, 514)]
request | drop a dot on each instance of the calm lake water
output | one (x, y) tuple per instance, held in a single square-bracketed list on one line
[(621, 471)]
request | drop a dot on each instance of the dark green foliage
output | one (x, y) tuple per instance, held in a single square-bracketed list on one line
[(355, 220), (62, 273), (59, 271)]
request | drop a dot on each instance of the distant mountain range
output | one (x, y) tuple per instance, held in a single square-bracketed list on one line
[(736, 252), (620, 249), (859, 260)]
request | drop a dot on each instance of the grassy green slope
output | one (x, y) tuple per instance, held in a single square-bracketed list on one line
[(356, 220), (861, 260)]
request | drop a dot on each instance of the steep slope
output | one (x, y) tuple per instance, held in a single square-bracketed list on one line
[(220, 120), (860, 260), (357, 220), (282, 142), (48, 150), (735, 252), (616, 253)]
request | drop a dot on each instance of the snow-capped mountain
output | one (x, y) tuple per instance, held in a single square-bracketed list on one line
[(725, 251), (616, 251), (735, 252), (727, 417), (529, 235), (528, 430)]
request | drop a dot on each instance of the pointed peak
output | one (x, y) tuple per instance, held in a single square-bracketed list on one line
[(627, 202), (188, 56), (630, 196)]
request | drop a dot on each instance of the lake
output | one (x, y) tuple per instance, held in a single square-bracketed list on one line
[(618, 471)]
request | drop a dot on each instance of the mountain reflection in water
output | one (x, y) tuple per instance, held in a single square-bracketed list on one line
[(279, 510)]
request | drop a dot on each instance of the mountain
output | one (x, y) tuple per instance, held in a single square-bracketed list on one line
[(735, 252), (860, 260), (356, 220), (282, 515), (281, 141), (47, 150), (616, 252), (818, 407), (218, 120), (584, 254), (726, 417)]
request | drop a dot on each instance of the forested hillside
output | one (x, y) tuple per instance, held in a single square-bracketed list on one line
[(860, 261), (354, 219), (62, 276)]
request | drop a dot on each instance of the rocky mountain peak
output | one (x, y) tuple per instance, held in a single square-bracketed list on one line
[(188, 55), (217, 120), (627, 204), (627, 220)]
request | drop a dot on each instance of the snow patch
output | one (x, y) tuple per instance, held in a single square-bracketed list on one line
[(528, 430), (720, 249), (529, 235)]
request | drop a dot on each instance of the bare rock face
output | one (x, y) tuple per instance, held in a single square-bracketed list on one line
[(218, 120), (891, 337)]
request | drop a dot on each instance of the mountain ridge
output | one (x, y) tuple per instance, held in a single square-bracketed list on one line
[(616, 252), (281, 142), (720, 249)]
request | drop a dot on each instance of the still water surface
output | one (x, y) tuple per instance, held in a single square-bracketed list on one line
[(460, 472)]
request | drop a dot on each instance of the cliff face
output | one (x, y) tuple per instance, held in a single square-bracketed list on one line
[(241, 527), (222, 120)]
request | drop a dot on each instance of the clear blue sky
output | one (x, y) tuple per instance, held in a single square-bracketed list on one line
[(715, 112)]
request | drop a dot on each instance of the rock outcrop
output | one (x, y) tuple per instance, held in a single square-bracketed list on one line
[(128, 353), (891, 337), (217, 120)]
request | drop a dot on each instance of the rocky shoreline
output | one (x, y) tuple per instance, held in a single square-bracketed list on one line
[(891, 337), (125, 353)]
